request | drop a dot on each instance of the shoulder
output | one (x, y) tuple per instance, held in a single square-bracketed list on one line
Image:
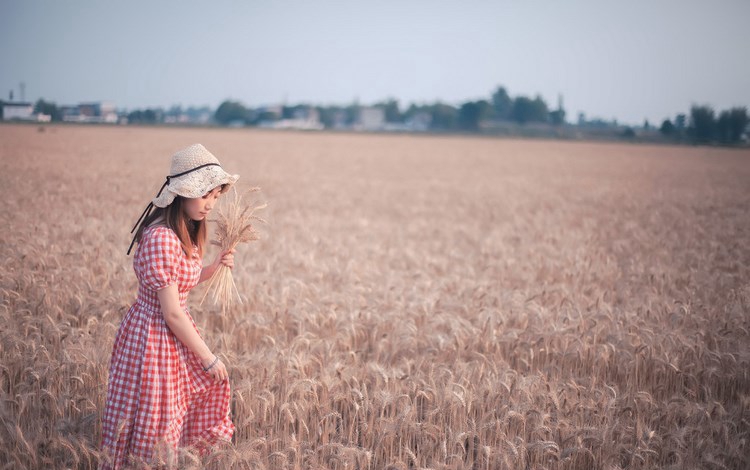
[(161, 239)]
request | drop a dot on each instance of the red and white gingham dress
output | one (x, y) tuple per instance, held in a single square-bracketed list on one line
[(158, 397)]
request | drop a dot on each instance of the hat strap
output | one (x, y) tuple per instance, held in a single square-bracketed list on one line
[(150, 205), (186, 172)]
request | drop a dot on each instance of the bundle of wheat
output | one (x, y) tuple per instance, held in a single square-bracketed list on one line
[(233, 226)]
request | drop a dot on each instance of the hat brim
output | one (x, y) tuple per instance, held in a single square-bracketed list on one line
[(196, 184)]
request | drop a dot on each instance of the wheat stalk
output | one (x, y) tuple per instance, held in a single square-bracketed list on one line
[(234, 225)]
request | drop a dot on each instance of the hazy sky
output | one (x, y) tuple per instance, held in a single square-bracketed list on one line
[(628, 60)]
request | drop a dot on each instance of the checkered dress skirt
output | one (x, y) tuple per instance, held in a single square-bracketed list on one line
[(158, 396)]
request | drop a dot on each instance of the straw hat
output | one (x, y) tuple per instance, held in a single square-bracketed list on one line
[(194, 172)]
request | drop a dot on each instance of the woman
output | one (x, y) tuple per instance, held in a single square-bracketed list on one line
[(166, 388)]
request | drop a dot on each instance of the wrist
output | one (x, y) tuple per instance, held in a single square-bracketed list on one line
[(211, 365), (210, 269), (207, 359)]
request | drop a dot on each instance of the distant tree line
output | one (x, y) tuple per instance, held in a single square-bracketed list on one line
[(701, 126), (137, 116), (468, 116), (705, 128)]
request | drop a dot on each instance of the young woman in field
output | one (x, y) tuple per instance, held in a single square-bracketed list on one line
[(166, 388)]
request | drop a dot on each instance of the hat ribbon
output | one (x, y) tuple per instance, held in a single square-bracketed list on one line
[(150, 205)]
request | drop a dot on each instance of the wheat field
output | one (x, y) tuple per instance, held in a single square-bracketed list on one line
[(415, 302)]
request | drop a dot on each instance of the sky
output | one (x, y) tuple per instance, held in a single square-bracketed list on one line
[(626, 60)]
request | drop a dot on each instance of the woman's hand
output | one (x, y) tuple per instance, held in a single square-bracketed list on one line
[(218, 371), (225, 258)]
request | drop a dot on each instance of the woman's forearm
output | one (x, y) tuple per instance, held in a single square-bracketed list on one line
[(184, 330), (180, 324), (207, 272)]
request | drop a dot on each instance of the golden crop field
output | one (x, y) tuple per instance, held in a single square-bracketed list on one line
[(416, 302)]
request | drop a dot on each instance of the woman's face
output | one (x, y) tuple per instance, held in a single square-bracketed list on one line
[(199, 207)]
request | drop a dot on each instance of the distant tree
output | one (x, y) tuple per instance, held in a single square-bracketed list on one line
[(48, 107), (413, 110), (557, 117), (702, 124), (175, 110), (528, 110), (148, 116), (230, 111), (391, 110), (522, 110), (327, 115), (502, 104), (472, 113), (738, 121), (646, 125), (352, 113), (667, 128), (680, 122), (731, 125), (287, 112), (198, 114), (628, 133), (723, 128), (443, 116), (541, 111)]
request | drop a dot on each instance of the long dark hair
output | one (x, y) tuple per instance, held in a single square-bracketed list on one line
[(190, 232)]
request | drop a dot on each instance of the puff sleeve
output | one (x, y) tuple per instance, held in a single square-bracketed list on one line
[(160, 258)]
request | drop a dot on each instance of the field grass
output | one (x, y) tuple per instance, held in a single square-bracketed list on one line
[(415, 302)]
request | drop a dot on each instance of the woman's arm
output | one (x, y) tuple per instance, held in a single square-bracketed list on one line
[(225, 257), (183, 329)]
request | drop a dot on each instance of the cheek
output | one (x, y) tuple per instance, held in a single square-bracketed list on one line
[(194, 206)]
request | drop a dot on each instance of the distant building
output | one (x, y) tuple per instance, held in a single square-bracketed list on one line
[(90, 112), (420, 122), (18, 111), (191, 115), (271, 112), (339, 120), (303, 118), (370, 118)]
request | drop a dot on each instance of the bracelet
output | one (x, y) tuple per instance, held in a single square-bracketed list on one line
[(210, 366)]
